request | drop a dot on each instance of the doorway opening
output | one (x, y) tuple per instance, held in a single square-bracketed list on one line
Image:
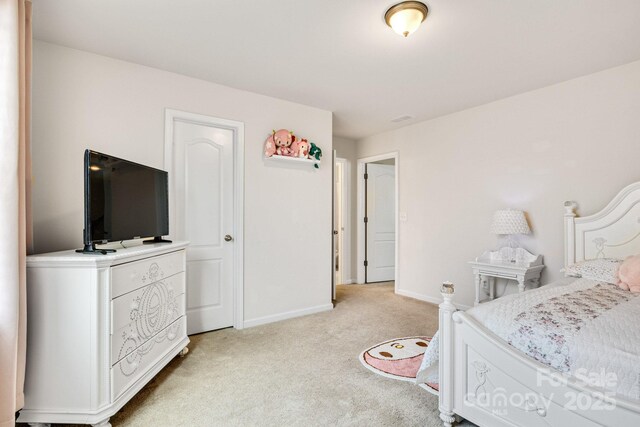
[(377, 233), (342, 222)]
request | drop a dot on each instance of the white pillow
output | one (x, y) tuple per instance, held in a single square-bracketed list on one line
[(601, 269)]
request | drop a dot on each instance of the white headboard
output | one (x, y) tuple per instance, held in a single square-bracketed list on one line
[(614, 232)]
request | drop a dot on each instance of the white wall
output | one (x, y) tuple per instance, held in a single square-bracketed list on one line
[(578, 140), (346, 149), (82, 100)]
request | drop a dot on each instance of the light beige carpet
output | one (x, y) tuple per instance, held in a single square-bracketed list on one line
[(298, 372)]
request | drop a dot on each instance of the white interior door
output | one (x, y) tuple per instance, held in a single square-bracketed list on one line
[(202, 173), (381, 223), (334, 238), (338, 226)]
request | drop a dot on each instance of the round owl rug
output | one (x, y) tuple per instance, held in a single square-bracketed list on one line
[(399, 358)]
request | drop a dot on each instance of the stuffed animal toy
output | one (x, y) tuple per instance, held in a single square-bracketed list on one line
[(629, 274), (300, 148), (315, 153), (282, 140), (269, 147)]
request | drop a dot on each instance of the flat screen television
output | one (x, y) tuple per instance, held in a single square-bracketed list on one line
[(123, 200)]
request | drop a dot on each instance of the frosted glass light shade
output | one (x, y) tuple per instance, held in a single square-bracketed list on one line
[(509, 221), (404, 18)]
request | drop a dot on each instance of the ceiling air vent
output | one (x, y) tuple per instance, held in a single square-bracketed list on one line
[(402, 119)]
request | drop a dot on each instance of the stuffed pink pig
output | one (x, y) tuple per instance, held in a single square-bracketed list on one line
[(300, 148), (629, 274)]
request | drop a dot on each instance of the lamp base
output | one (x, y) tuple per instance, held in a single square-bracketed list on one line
[(513, 248)]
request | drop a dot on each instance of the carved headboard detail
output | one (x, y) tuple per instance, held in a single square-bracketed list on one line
[(614, 232)]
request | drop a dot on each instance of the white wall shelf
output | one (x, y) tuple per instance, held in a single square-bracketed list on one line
[(287, 159)]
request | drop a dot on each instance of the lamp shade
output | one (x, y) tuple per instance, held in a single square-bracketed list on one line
[(509, 221)]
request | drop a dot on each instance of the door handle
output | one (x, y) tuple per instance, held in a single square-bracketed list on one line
[(228, 238)]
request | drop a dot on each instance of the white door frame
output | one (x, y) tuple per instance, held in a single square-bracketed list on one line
[(237, 128), (345, 241), (360, 249)]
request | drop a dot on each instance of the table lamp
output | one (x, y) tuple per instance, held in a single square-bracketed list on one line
[(509, 222)]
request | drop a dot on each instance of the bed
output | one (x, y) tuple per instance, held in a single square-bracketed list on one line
[(491, 377)]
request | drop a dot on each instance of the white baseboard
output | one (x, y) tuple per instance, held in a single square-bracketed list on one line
[(287, 315), (348, 282), (427, 298)]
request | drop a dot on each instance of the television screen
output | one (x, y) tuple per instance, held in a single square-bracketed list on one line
[(123, 200)]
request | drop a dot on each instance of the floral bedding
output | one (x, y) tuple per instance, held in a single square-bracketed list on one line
[(600, 269), (586, 328)]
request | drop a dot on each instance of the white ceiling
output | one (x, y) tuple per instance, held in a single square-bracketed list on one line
[(340, 56)]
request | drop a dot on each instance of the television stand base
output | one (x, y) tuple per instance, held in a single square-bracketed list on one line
[(157, 239), (92, 250)]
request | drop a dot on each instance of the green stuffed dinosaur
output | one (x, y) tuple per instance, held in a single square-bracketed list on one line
[(315, 153)]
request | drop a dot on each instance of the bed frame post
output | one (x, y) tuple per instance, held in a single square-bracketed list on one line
[(446, 354), (569, 233)]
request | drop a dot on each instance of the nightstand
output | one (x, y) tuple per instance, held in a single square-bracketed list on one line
[(494, 265)]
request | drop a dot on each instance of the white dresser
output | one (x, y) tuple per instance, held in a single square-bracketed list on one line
[(99, 327)]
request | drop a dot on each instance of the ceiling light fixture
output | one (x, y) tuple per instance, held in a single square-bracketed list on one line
[(404, 18)]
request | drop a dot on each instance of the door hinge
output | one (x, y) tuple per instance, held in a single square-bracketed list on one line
[(366, 176), (366, 220), (366, 263)]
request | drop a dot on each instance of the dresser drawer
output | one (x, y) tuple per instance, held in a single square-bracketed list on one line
[(141, 314), (502, 275), (133, 275), (131, 368)]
